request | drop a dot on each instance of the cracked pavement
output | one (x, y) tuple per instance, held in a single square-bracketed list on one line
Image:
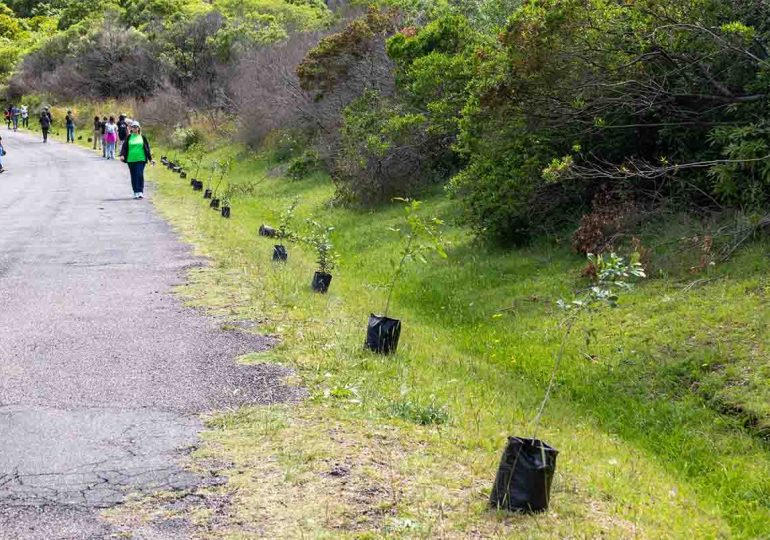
[(103, 372)]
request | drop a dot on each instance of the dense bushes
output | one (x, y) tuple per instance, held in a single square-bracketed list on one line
[(526, 109), (616, 94)]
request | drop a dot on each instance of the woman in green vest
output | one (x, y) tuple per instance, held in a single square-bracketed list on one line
[(135, 152)]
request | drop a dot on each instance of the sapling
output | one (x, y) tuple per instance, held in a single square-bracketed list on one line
[(419, 236), (224, 166), (287, 216), (196, 152), (524, 484), (612, 276), (319, 239), (227, 196), (212, 172)]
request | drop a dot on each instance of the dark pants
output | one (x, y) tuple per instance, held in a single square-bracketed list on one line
[(45, 134), (136, 169), (70, 133)]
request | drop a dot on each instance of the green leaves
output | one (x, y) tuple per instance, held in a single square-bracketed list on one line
[(287, 216), (319, 238), (612, 275), (420, 237)]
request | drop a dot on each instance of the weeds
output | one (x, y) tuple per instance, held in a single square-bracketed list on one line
[(424, 415)]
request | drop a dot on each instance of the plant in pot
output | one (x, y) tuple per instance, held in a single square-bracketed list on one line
[(227, 195), (527, 466), (419, 236), (196, 152), (319, 238), (284, 233), (223, 166)]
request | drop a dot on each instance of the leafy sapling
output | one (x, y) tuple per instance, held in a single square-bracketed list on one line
[(420, 236), (227, 197), (284, 231), (212, 172), (196, 152), (527, 467), (613, 275), (319, 238), (224, 166)]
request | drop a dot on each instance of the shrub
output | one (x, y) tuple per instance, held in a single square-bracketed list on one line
[(184, 138), (165, 110), (304, 165), (385, 151), (267, 94), (284, 145), (599, 228)]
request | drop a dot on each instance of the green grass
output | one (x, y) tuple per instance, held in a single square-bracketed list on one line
[(659, 420)]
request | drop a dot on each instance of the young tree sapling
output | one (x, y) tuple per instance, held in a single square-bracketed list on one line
[(419, 236)]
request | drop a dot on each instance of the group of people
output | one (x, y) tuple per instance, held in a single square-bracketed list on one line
[(107, 132), (13, 114)]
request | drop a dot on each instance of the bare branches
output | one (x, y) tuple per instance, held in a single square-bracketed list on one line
[(602, 169)]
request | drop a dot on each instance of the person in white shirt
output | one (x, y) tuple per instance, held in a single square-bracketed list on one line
[(110, 138)]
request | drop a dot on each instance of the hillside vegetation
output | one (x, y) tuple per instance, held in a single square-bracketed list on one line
[(534, 132)]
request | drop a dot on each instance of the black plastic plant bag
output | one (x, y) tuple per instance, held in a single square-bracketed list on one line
[(208, 194), (264, 230), (382, 334), (523, 482), (321, 282), (280, 254), (225, 211), (214, 203)]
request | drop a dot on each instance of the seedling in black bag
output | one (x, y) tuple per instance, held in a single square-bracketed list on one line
[(523, 482), (196, 153), (280, 254), (224, 166), (227, 196), (319, 238), (419, 236)]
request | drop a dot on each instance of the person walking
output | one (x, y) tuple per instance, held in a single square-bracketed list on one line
[(135, 152), (123, 128), (24, 117), (97, 132), (102, 125), (69, 121), (110, 137), (7, 114), (15, 112), (46, 119)]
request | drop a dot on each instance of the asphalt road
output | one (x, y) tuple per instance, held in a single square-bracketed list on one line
[(103, 372)]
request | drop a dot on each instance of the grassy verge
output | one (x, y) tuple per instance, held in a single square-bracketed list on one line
[(407, 445)]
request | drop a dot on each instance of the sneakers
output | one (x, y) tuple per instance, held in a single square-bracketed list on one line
[(136, 196), (140, 195)]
